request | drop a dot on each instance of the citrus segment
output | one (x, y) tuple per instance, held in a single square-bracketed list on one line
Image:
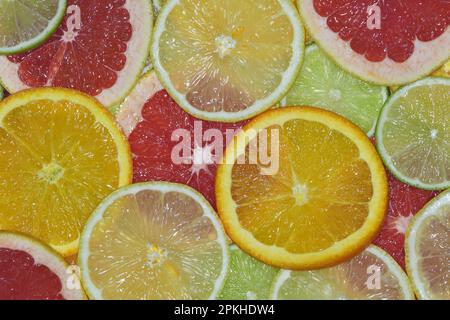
[(404, 202), (386, 42), (427, 252), (227, 61), (61, 155), (30, 270), (323, 203), (25, 24), (248, 278), (153, 241), (100, 49), (413, 134), (324, 84), (371, 275), (157, 129)]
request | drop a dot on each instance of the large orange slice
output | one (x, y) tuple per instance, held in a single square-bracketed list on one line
[(323, 205), (61, 153)]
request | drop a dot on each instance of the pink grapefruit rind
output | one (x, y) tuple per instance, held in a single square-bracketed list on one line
[(46, 256), (427, 56), (130, 112), (138, 50)]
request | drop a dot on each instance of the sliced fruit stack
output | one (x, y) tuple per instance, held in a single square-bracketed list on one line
[(262, 169)]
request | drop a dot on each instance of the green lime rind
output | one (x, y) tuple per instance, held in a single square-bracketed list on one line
[(322, 83), (413, 134), (1, 93), (248, 278), (20, 13)]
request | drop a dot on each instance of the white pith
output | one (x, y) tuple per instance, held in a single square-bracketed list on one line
[(130, 112), (288, 76)]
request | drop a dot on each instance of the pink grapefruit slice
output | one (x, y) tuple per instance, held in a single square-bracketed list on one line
[(100, 48), (404, 202), (386, 42), (30, 270), (151, 119)]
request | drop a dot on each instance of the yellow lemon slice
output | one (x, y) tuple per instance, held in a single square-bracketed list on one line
[(427, 249), (154, 241)]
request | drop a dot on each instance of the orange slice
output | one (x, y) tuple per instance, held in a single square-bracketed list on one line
[(61, 154), (321, 205)]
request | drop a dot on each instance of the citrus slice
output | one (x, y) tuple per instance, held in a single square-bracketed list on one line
[(316, 197), (28, 23), (324, 84), (380, 41), (413, 133), (427, 251), (100, 49), (158, 128), (153, 241), (30, 270), (62, 153), (404, 202), (227, 61), (248, 278), (371, 275)]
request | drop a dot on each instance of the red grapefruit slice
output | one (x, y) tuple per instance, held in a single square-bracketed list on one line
[(100, 48), (30, 270), (154, 122), (404, 202), (386, 42)]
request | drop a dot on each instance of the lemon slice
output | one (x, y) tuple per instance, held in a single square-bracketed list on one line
[(227, 60), (61, 154), (320, 197), (153, 241), (427, 249), (372, 275)]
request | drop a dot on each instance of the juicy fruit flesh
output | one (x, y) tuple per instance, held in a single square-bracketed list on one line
[(96, 51), (24, 20), (21, 278), (248, 278), (152, 146), (322, 181), (154, 245), (416, 134), (59, 163), (404, 202), (347, 281), (224, 59), (324, 84), (402, 23), (433, 253)]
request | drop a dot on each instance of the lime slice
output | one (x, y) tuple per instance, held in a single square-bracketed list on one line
[(153, 241), (322, 83), (27, 23), (227, 60), (413, 134), (427, 249), (248, 278), (372, 275)]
